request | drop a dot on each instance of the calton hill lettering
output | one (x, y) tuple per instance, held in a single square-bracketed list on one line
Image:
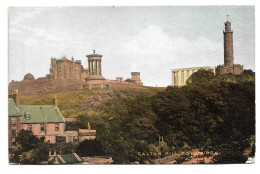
[(142, 154)]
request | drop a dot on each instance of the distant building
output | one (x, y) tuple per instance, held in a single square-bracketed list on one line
[(136, 77), (28, 76), (229, 67), (69, 75), (119, 79), (66, 69), (43, 121), (180, 76), (95, 68), (95, 79)]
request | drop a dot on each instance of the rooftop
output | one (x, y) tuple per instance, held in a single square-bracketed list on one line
[(67, 159), (13, 110), (40, 114)]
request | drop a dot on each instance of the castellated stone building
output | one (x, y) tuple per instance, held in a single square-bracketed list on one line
[(67, 69), (70, 75), (229, 67)]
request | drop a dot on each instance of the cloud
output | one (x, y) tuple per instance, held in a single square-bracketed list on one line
[(154, 54), (18, 25)]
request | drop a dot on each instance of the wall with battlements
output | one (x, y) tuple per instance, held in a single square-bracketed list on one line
[(67, 69)]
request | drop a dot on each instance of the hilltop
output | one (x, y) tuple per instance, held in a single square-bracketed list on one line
[(74, 103)]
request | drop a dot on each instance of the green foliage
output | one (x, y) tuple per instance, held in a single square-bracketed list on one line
[(90, 148), (130, 80), (70, 126), (205, 113), (200, 77), (27, 140), (211, 111), (249, 72), (232, 153)]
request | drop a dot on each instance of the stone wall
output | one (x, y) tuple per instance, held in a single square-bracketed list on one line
[(235, 69), (45, 86), (49, 86)]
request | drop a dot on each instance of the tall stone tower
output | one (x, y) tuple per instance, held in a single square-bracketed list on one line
[(94, 67), (228, 45), (229, 67), (136, 77)]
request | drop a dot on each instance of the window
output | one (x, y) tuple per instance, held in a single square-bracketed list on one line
[(56, 126), (27, 116), (75, 139), (13, 132), (29, 127), (13, 120), (42, 127), (13, 143)]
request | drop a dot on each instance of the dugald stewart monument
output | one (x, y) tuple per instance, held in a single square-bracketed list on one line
[(136, 85)]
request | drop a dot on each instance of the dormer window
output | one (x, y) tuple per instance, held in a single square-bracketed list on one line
[(27, 116)]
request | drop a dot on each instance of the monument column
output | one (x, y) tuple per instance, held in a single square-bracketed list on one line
[(95, 72), (228, 44)]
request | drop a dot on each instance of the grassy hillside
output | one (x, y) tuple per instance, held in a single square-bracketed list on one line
[(74, 103)]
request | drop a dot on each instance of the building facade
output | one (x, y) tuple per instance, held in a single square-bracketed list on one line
[(14, 122), (229, 67), (180, 76), (67, 69), (44, 121), (136, 77)]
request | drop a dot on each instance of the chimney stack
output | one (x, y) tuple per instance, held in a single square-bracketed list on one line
[(15, 97), (72, 59), (56, 158), (55, 101), (49, 156), (89, 126)]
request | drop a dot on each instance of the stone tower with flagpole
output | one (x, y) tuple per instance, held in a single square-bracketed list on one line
[(229, 67)]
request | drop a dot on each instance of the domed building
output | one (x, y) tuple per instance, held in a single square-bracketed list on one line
[(28, 76)]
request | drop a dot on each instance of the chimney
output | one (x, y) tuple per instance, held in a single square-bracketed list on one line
[(55, 101), (15, 97), (89, 126), (49, 156), (72, 59), (56, 158)]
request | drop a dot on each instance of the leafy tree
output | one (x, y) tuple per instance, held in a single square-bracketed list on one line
[(249, 72), (27, 140), (90, 148), (231, 153), (200, 77)]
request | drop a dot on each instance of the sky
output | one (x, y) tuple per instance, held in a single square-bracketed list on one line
[(151, 40)]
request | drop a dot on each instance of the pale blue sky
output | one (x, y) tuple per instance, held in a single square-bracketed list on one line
[(152, 40)]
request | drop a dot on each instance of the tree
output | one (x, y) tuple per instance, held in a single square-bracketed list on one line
[(249, 72), (27, 140), (232, 153), (90, 148), (200, 77)]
